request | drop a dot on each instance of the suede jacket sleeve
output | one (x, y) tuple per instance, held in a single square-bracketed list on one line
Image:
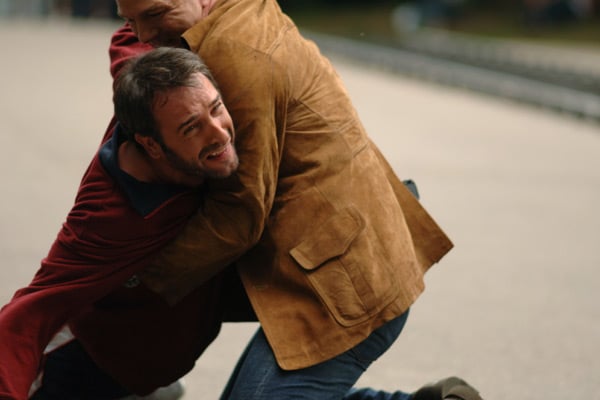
[(234, 210)]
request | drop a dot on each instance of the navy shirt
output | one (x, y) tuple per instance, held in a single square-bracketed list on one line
[(144, 196)]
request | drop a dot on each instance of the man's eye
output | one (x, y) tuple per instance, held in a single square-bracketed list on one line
[(218, 107), (190, 129), (154, 14)]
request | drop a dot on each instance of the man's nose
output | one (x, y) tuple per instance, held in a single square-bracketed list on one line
[(219, 132), (145, 32)]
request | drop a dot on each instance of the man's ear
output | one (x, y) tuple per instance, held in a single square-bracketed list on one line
[(206, 5), (150, 145)]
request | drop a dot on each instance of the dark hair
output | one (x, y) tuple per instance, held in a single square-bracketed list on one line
[(146, 76)]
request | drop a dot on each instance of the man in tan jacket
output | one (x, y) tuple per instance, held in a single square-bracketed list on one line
[(329, 244), (174, 128)]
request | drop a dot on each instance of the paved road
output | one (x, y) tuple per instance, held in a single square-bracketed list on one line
[(514, 308)]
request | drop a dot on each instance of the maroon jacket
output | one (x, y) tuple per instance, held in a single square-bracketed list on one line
[(129, 331)]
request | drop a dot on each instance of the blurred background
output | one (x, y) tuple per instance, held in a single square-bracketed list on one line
[(570, 20), (564, 20), (484, 45)]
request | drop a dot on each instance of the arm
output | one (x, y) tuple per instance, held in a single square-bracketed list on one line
[(62, 289), (124, 46), (234, 210), (102, 244), (221, 233)]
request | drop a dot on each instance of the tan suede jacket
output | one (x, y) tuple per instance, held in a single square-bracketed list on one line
[(329, 243)]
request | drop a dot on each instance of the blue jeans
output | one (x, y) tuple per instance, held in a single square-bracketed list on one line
[(258, 377)]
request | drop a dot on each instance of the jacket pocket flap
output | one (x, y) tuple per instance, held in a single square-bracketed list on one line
[(330, 239)]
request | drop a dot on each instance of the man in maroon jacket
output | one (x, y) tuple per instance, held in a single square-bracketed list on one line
[(135, 196)]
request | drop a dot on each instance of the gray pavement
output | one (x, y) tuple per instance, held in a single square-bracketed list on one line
[(513, 308)]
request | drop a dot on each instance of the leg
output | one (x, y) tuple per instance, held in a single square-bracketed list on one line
[(70, 374), (371, 394), (257, 375), (451, 388)]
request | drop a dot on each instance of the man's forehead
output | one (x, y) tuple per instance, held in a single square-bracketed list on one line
[(205, 82), (178, 96)]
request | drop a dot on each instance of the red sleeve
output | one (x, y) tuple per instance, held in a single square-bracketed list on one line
[(124, 45), (68, 282), (37, 312), (103, 242)]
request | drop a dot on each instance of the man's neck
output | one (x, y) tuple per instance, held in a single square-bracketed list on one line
[(134, 161)]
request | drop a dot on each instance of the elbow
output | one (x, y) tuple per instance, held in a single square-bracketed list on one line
[(252, 234)]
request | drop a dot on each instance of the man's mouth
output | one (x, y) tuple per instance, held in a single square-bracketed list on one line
[(218, 153)]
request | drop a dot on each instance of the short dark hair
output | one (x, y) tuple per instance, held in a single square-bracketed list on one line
[(146, 76)]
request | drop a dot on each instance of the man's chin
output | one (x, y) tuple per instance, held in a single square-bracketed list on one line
[(167, 43), (192, 182), (224, 172)]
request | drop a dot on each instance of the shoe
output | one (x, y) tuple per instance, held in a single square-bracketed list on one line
[(174, 391), (452, 388)]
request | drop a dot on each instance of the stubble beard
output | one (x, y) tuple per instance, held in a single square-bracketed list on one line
[(193, 169)]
